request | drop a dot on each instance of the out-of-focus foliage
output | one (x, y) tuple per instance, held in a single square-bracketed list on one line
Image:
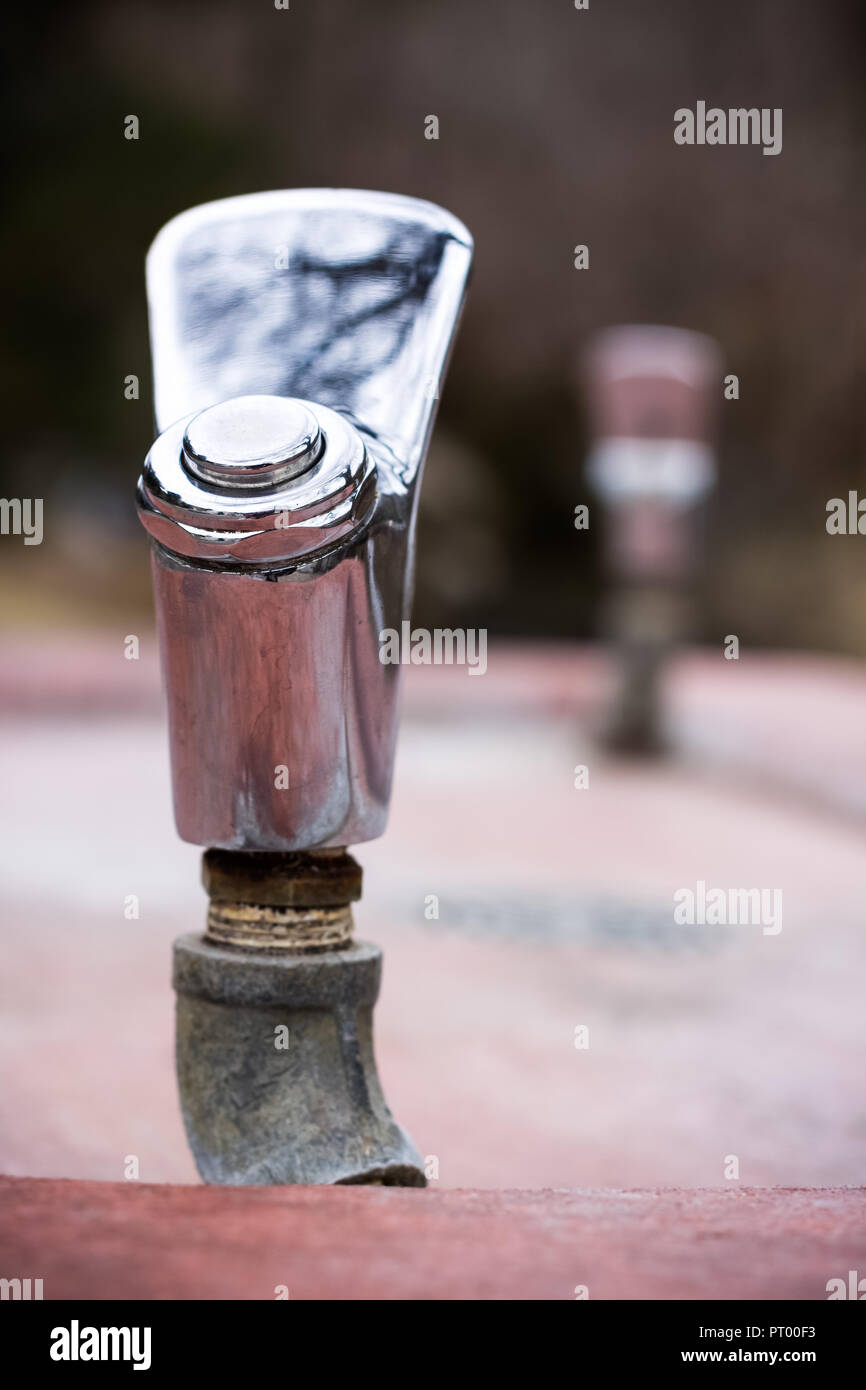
[(556, 128)]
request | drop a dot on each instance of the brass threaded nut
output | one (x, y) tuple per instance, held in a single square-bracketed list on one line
[(321, 878), (254, 927)]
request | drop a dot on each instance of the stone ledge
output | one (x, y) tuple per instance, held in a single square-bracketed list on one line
[(94, 1240)]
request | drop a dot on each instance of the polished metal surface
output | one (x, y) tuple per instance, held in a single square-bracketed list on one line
[(340, 296), (251, 441), (299, 340), (274, 524)]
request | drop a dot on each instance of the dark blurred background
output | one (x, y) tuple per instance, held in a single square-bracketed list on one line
[(556, 128)]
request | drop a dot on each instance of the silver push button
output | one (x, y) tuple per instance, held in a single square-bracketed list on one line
[(251, 442)]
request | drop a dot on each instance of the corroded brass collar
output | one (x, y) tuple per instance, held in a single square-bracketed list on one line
[(281, 902)]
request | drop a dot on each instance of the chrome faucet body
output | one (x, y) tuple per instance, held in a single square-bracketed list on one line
[(299, 342)]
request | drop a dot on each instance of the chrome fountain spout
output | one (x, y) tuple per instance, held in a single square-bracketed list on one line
[(299, 343)]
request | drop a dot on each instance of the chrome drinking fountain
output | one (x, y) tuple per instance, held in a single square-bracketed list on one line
[(299, 340), (651, 394)]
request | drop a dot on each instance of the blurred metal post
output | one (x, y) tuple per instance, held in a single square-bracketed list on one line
[(651, 394)]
